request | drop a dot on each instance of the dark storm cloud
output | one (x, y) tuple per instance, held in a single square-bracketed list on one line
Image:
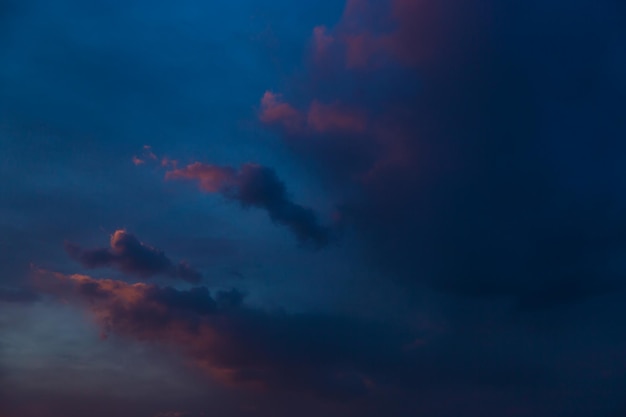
[(129, 255), (468, 173), (257, 186)]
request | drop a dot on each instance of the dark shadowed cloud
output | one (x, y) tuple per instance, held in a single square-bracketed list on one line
[(257, 186), (131, 256), (333, 357), (328, 355), (462, 174)]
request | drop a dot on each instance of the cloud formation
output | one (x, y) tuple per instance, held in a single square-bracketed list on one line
[(319, 118), (275, 111), (476, 153), (257, 186), (131, 256), (373, 34), (461, 172), (327, 355)]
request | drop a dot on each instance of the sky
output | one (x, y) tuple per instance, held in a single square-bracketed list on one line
[(348, 208)]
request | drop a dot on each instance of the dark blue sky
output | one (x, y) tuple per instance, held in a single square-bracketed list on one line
[(342, 208)]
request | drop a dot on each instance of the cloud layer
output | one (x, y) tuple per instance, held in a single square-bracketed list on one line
[(327, 355)]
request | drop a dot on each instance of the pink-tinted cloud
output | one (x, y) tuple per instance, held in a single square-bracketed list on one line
[(351, 123), (322, 41), (129, 255), (331, 118), (373, 33), (352, 40), (275, 111), (256, 186), (210, 178), (146, 156), (236, 344), (319, 118), (360, 49), (422, 28), (362, 143)]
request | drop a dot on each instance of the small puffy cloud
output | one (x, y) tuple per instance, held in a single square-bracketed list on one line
[(146, 156), (131, 256), (275, 111), (138, 161)]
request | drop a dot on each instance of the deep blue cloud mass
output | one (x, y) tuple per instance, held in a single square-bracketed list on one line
[(471, 154)]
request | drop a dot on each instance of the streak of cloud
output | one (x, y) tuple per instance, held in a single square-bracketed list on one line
[(257, 186)]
